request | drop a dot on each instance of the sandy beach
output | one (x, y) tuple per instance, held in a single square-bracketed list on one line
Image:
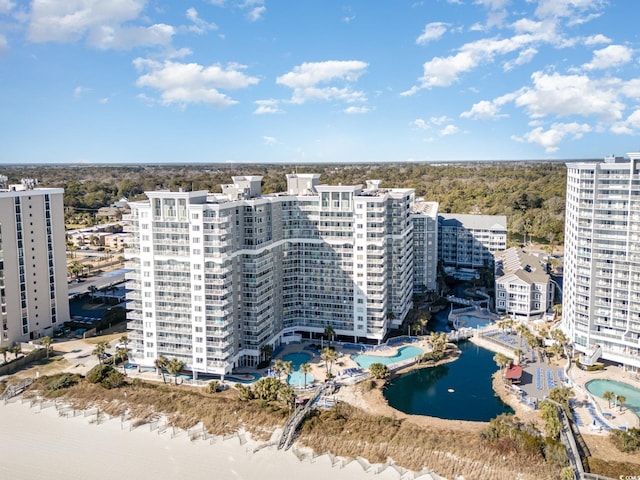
[(39, 444)]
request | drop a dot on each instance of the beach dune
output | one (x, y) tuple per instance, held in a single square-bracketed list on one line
[(36, 443)]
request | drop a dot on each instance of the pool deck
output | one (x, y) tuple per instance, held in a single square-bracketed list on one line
[(626, 419)]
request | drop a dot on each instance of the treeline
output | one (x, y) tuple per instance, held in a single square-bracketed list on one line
[(530, 194)]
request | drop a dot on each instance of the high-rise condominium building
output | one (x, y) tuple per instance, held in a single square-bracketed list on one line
[(425, 246), (470, 241), (216, 277), (601, 299), (33, 271)]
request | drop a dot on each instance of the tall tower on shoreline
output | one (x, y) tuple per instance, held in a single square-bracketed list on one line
[(601, 295), (33, 270)]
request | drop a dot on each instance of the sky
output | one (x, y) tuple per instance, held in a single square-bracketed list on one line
[(302, 81)]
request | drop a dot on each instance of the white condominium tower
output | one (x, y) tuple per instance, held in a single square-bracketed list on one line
[(216, 277), (34, 299), (601, 300)]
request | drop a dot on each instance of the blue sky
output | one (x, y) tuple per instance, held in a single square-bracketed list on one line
[(299, 81)]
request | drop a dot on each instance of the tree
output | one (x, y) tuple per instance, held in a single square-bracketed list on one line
[(122, 355), (3, 352), (99, 350), (329, 356), (379, 371), (521, 329), (92, 291), (266, 351), (161, 364), (124, 340), (17, 350), (501, 360), (621, 399), (287, 396), (552, 423), (608, 396), (279, 367), (305, 369), (214, 386), (519, 352), (174, 367), (329, 334), (46, 343)]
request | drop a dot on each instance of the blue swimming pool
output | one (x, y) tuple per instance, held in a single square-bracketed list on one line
[(404, 353), (297, 378), (632, 394)]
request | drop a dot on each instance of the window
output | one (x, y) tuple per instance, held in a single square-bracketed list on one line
[(195, 216)]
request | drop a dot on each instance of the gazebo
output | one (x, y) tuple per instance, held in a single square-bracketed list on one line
[(513, 374)]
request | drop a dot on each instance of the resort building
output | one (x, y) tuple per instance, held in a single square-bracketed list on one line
[(524, 289), (601, 296), (425, 246), (216, 277), (470, 241), (33, 270)]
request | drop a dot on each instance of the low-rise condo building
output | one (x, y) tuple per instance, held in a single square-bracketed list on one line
[(524, 289), (216, 277)]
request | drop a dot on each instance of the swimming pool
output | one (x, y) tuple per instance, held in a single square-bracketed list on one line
[(632, 394), (473, 321), (404, 353), (297, 378)]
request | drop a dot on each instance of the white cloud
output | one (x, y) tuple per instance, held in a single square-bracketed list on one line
[(256, 13), (549, 139), (421, 124), (483, 110), (270, 141), (6, 6), (4, 44), (184, 83), (449, 130), (100, 21), (304, 80), (312, 73), (106, 37), (103, 101), (568, 8), (356, 110), (348, 18), (565, 95), (79, 91), (267, 106), (596, 39), (525, 56), (199, 26), (609, 57), (432, 31)]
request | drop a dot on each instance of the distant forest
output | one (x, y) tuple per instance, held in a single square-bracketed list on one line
[(530, 194)]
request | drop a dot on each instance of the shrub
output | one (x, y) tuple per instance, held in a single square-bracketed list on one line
[(98, 373), (113, 379), (379, 370), (105, 375), (214, 386), (628, 441), (65, 380)]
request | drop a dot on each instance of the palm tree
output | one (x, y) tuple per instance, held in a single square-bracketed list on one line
[(520, 330), (519, 352), (174, 367), (329, 356), (124, 339), (501, 360), (608, 396), (279, 367), (417, 328), (330, 334), (266, 351), (122, 355), (287, 368), (621, 399), (161, 363), (17, 350), (46, 343), (305, 369), (92, 291), (99, 350), (3, 352)]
